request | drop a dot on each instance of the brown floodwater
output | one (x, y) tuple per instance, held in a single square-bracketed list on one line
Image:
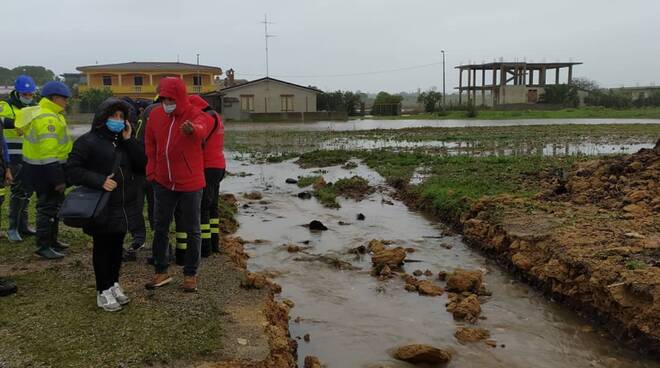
[(354, 320)]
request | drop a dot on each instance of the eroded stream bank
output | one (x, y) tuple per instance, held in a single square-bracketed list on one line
[(353, 319)]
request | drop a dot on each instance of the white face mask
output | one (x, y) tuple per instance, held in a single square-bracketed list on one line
[(169, 108)]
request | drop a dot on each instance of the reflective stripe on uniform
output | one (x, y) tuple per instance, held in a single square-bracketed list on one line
[(3, 192), (181, 240), (42, 162), (215, 225), (206, 231)]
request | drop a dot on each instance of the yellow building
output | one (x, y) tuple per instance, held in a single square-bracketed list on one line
[(140, 79)]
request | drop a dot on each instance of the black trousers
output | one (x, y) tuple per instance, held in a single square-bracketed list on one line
[(106, 258), (137, 226), (210, 217), (19, 200)]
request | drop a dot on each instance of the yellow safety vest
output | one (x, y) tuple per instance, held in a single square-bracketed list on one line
[(46, 137), (14, 140)]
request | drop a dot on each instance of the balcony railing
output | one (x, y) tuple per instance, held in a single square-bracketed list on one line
[(145, 89)]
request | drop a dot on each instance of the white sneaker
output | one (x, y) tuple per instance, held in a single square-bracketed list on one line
[(107, 301), (118, 293)]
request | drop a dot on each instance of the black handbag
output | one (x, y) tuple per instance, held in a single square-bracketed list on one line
[(84, 206)]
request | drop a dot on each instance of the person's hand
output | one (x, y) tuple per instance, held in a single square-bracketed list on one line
[(109, 185), (60, 188), (128, 130), (9, 178), (187, 128)]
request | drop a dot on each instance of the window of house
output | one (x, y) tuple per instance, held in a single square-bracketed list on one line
[(107, 80), (197, 80), (287, 103), (247, 103), (138, 81)]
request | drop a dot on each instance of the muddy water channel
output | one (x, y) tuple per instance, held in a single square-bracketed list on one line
[(353, 319)]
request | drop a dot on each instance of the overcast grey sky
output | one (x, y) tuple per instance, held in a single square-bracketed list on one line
[(616, 39)]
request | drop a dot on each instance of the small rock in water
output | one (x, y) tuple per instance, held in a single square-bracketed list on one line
[(305, 195), (418, 273), (306, 338), (361, 217), (312, 362), (317, 225), (428, 273), (291, 181), (410, 250), (254, 196), (376, 246), (292, 248), (422, 354), (359, 250), (471, 334), (463, 280), (342, 223), (426, 287), (442, 275)]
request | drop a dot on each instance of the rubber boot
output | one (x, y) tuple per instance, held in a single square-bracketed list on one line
[(206, 240), (57, 244), (45, 251), (14, 219), (14, 236), (215, 235)]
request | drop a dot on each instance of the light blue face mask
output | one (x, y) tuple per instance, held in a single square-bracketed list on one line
[(25, 100), (169, 108), (115, 126)]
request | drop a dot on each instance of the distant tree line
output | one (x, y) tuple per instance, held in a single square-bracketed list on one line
[(351, 102), (40, 74)]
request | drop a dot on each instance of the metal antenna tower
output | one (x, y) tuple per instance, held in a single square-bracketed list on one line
[(266, 37)]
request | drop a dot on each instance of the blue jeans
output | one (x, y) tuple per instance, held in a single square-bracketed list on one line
[(165, 202)]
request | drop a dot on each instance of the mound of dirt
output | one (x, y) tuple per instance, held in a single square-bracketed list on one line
[(471, 334), (629, 183), (463, 280), (422, 354), (465, 308), (356, 188)]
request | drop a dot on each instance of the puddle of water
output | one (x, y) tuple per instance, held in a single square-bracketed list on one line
[(353, 319), (412, 123)]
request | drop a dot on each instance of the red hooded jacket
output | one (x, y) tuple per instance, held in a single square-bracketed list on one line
[(176, 160), (214, 155)]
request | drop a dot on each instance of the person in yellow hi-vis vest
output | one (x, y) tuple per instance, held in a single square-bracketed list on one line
[(46, 147), (21, 97)]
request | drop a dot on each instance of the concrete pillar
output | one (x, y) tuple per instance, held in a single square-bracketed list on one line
[(474, 82), (542, 76), (570, 74), (483, 86), (531, 77), (557, 76), (119, 78), (494, 86), (460, 86), (469, 91), (503, 77)]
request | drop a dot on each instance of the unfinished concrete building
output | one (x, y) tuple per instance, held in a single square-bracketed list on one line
[(507, 83)]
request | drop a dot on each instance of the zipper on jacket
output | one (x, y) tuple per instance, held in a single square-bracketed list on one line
[(167, 153), (123, 196)]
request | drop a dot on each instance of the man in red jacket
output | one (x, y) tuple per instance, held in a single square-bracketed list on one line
[(214, 171), (175, 165)]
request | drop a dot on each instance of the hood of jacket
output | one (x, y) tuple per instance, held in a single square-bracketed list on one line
[(15, 100), (175, 89), (198, 102), (106, 109)]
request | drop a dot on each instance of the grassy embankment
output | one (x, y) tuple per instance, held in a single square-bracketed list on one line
[(53, 320), (573, 113)]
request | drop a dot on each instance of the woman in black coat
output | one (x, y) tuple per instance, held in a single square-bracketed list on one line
[(108, 158)]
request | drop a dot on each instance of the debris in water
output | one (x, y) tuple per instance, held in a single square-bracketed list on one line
[(329, 260), (426, 287), (410, 250), (391, 257), (342, 223), (316, 225), (306, 338), (442, 275), (387, 202), (312, 362), (418, 273), (293, 248), (467, 309), (289, 303), (361, 217), (471, 334), (376, 246), (291, 181), (253, 196), (428, 273), (305, 195), (422, 354), (491, 343), (463, 280), (358, 250), (446, 245)]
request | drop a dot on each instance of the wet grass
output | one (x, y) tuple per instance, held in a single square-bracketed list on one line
[(305, 181), (571, 113)]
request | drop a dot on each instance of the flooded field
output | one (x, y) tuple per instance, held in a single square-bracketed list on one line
[(354, 125), (353, 319)]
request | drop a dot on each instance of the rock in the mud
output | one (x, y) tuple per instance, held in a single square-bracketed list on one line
[(291, 181), (292, 248), (426, 287), (428, 273), (361, 217), (418, 273), (358, 250), (410, 287), (306, 338), (467, 309), (312, 362), (471, 334), (391, 257), (410, 250), (385, 271), (253, 196), (304, 195), (422, 354), (342, 223), (317, 225), (376, 246), (442, 275), (463, 280), (255, 281)]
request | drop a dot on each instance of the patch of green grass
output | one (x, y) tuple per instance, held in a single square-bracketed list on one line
[(635, 265), (323, 158), (355, 187), (571, 113), (327, 195), (305, 181)]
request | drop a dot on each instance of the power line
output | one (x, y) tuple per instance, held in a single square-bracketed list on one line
[(349, 74)]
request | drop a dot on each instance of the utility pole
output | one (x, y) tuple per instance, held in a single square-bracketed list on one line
[(199, 79), (266, 37), (444, 91)]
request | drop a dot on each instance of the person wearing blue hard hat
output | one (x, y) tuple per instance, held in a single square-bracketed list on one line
[(46, 147), (21, 97)]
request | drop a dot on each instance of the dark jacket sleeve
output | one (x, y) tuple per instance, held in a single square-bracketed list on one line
[(136, 154), (76, 172)]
